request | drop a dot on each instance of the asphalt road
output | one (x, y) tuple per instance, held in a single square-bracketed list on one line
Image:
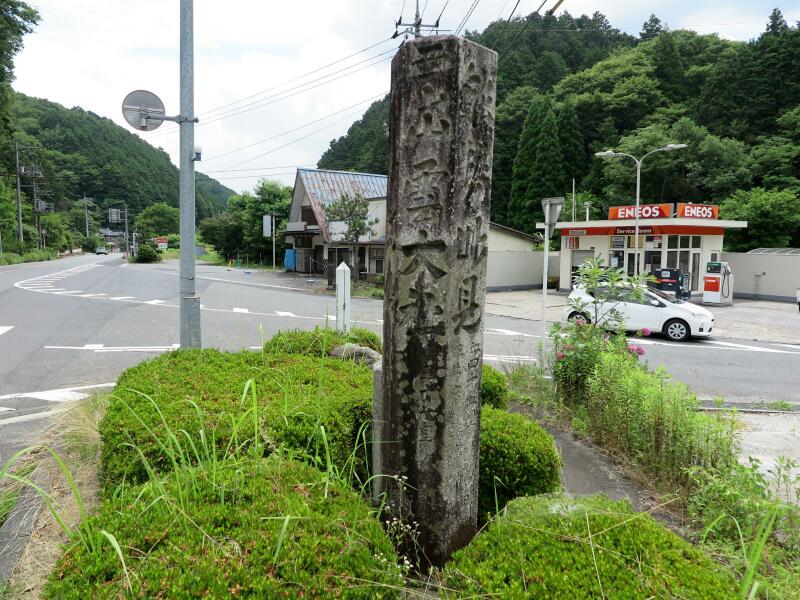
[(80, 321)]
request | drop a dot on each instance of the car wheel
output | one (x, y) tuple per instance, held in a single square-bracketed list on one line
[(677, 330), (577, 317)]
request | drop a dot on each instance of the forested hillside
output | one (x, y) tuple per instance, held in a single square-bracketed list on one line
[(66, 155), (569, 87)]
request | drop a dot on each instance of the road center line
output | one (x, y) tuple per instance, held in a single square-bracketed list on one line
[(5, 328)]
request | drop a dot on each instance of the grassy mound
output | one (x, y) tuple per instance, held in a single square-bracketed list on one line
[(200, 392), (320, 341), (494, 389), (265, 528), (517, 458), (592, 547)]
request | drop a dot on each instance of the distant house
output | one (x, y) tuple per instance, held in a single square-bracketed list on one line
[(317, 241), (112, 238)]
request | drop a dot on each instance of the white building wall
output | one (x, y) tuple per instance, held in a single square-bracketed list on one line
[(506, 241), (764, 276)]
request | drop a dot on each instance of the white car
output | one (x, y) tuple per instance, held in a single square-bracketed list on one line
[(655, 311)]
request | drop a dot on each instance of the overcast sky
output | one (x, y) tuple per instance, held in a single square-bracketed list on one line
[(90, 53)]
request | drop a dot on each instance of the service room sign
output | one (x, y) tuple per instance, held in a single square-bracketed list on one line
[(646, 211), (698, 211)]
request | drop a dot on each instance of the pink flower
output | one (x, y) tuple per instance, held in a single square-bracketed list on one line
[(638, 350), (560, 355), (646, 332), (568, 346), (606, 337)]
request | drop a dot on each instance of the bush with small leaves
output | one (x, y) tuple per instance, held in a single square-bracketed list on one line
[(552, 546), (320, 341), (263, 528), (517, 458), (494, 389)]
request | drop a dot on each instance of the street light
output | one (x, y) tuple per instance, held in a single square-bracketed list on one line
[(611, 153), (552, 210)]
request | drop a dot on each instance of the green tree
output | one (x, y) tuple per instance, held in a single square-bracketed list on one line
[(353, 211), (773, 219), (570, 138), (16, 20), (777, 158), (224, 231), (508, 124), (158, 219), (651, 28), (538, 170), (56, 235)]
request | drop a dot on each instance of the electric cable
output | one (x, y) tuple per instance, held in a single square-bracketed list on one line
[(285, 95), (373, 98), (504, 25), (467, 16), (522, 29), (304, 75)]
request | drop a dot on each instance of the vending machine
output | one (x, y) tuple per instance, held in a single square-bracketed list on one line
[(718, 284)]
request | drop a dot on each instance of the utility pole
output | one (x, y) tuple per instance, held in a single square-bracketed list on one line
[(86, 213), (127, 242), (573, 200), (19, 196), (274, 232), (37, 222), (190, 303), (415, 27)]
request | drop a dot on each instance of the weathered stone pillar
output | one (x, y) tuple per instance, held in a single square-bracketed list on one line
[(441, 134)]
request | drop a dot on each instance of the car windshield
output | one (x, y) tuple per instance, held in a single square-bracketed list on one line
[(665, 297)]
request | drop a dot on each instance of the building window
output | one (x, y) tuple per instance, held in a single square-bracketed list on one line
[(685, 241), (672, 242), (696, 241)]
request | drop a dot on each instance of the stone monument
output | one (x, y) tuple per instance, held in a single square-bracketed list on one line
[(428, 423)]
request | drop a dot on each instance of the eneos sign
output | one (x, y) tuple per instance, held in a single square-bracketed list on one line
[(698, 211), (646, 211)]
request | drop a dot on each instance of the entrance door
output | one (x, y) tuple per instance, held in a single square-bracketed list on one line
[(631, 266), (578, 256)]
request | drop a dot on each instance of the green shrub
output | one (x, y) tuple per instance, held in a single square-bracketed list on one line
[(320, 341), (200, 392), (494, 389), (653, 422), (147, 254), (12, 258), (517, 458), (173, 240), (592, 547), (267, 528)]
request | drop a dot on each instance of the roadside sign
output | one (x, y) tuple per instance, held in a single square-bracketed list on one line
[(162, 242), (646, 211), (267, 225), (114, 215)]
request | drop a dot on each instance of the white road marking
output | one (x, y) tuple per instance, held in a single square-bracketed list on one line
[(509, 358), (60, 395), (123, 298), (154, 302), (748, 347), (283, 313), (32, 417), (4, 409), (104, 348), (508, 332), (68, 292), (792, 346), (5, 328), (240, 310)]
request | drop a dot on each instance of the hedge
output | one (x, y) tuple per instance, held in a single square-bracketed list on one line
[(265, 528), (320, 341), (494, 389), (587, 548), (517, 458), (198, 390)]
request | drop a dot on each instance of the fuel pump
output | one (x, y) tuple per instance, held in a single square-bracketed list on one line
[(718, 284)]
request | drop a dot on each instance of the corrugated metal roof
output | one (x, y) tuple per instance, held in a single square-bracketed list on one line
[(327, 186), (790, 251)]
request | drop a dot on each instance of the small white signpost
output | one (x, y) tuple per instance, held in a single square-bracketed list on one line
[(343, 297)]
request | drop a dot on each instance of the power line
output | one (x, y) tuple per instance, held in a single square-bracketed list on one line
[(244, 162), (373, 98), (303, 76), (504, 25), (300, 89), (525, 24), (441, 12), (463, 22), (261, 168)]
